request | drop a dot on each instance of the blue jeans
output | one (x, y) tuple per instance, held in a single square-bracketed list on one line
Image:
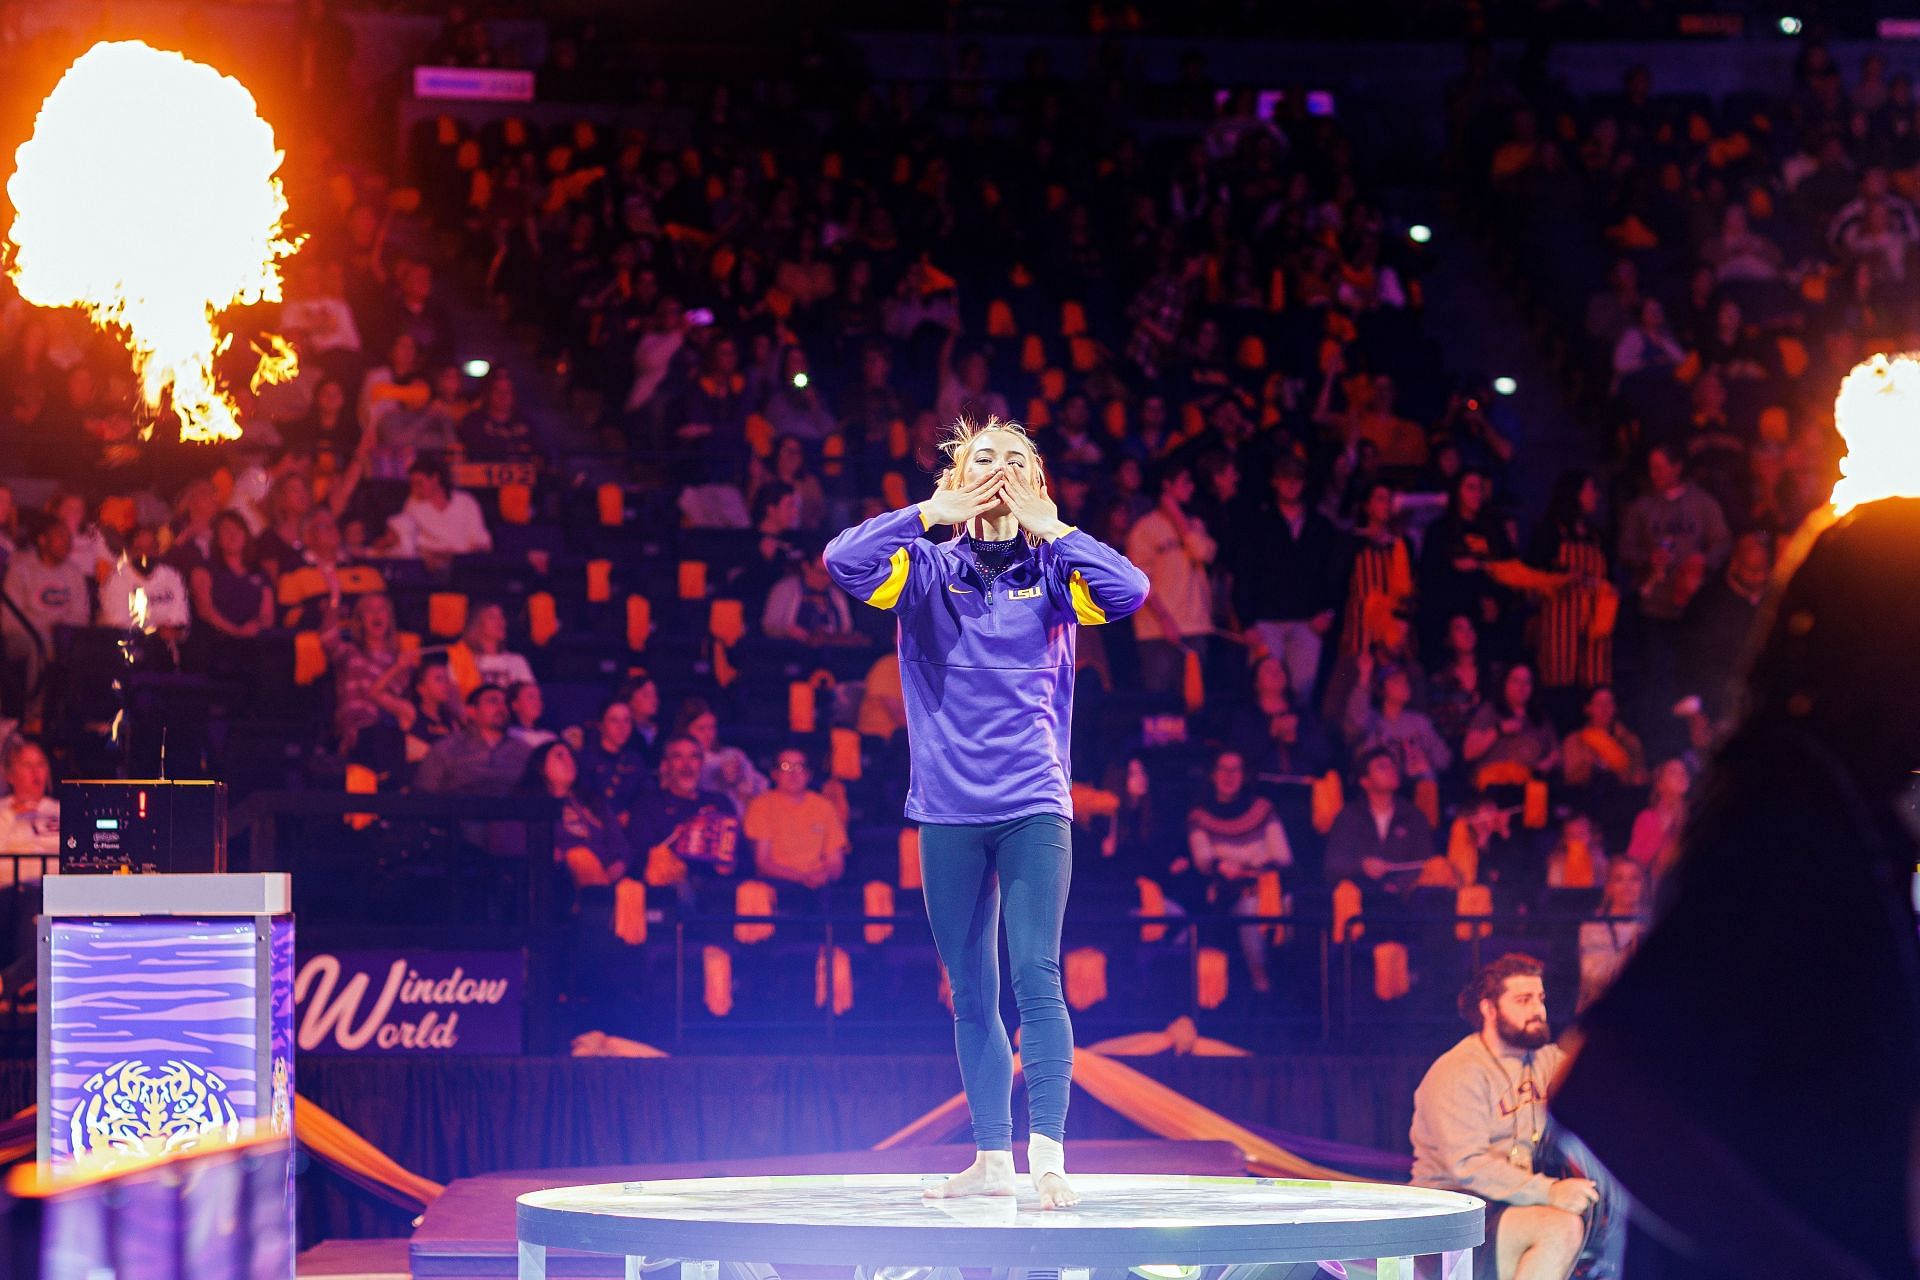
[(965, 872)]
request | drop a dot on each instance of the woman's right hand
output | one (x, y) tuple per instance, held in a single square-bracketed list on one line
[(957, 506)]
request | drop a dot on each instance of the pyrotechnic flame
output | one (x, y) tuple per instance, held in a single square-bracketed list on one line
[(1878, 415), (137, 608), (278, 363), (147, 196)]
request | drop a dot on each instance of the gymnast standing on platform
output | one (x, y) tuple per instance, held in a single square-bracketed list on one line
[(987, 623)]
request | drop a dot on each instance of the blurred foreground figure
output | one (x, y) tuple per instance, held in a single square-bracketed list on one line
[(1753, 1075)]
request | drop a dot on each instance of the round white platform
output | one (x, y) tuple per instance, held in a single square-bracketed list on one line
[(1122, 1220)]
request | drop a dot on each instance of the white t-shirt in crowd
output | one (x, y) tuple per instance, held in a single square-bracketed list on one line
[(35, 829), (166, 597), (503, 668), (327, 323), (49, 595), (458, 529)]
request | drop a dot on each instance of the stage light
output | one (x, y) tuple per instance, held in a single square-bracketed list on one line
[(1419, 233), (892, 1273), (800, 381), (477, 368), (1505, 386), (1790, 26), (1165, 1271)]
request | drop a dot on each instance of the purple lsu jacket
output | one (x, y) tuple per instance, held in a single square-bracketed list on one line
[(987, 675)]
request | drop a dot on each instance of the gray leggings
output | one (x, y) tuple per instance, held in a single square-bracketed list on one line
[(965, 871)]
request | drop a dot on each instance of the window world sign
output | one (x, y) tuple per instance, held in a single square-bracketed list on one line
[(473, 84), (369, 1003)]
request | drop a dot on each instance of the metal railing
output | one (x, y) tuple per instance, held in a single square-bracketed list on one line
[(1316, 998), (476, 872), (1439, 939), (20, 874), (910, 941), (414, 870)]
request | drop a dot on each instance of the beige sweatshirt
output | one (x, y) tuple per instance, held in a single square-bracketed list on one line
[(1466, 1114)]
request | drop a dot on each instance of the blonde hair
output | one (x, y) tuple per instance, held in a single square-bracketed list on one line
[(968, 428), (965, 430)]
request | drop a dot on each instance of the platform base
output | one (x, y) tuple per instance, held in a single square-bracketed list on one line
[(881, 1226), (1456, 1265)]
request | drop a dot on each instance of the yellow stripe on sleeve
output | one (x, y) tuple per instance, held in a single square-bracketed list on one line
[(1084, 609), (887, 594)]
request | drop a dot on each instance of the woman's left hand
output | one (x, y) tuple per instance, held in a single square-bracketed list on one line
[(1032, 507)]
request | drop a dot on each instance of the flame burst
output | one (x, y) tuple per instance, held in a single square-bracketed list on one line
[(147, 196), (1878, 415), (278, 363)]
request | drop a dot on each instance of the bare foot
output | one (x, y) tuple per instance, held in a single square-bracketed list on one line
[(990, 1174), (1055, 1191)]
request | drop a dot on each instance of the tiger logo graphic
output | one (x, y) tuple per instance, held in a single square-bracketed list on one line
[(140, 1109), (280, 1118)]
